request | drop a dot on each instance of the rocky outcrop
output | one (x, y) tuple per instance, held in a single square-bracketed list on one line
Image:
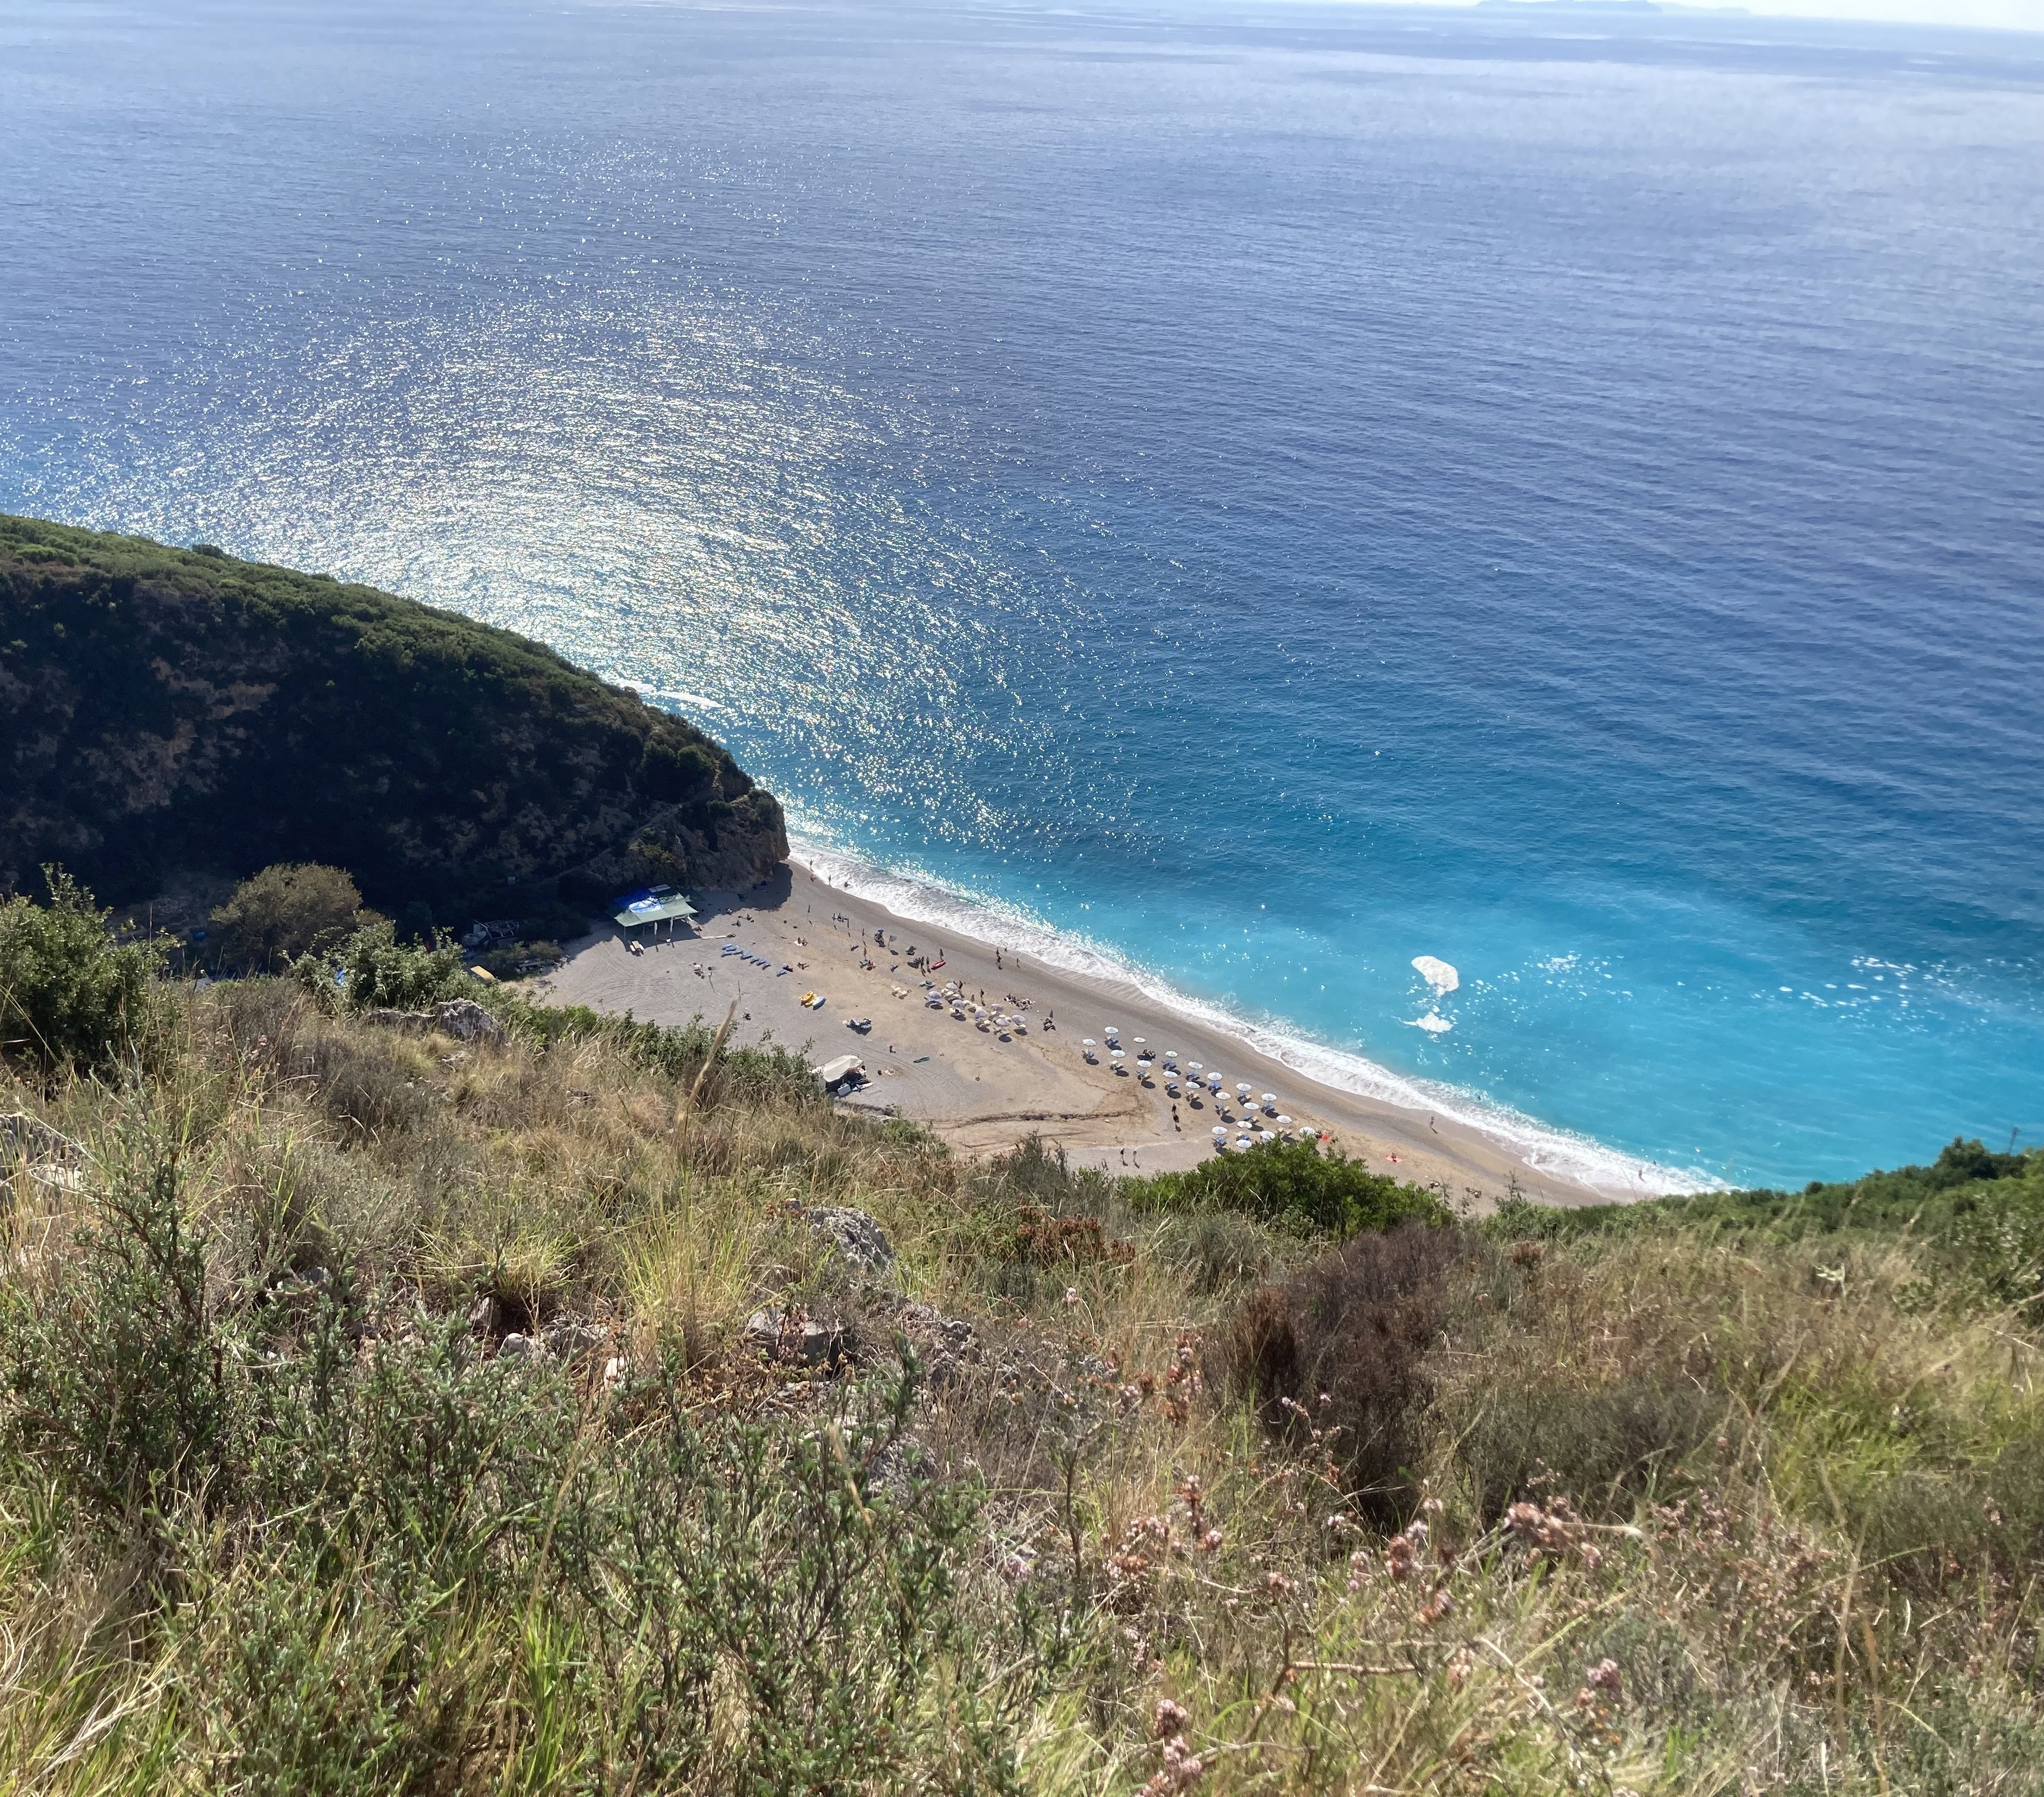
[(461, 1018), (854, 1235)]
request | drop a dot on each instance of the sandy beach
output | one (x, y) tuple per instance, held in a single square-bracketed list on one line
[(983, 1090)]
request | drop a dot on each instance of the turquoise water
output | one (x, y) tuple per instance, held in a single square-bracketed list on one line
[(1263, 495)]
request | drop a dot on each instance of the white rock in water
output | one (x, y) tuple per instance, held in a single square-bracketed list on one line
[(1437, 973), (1433, 1023)]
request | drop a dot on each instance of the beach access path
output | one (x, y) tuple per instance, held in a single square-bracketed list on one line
[(984, 1095)]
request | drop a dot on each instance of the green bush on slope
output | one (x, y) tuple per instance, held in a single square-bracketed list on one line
[(72, 996), (277, 915), (1295, 1184)]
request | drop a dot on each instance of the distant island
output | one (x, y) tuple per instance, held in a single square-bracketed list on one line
[(164, 711)]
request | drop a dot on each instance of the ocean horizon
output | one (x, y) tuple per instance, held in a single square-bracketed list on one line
[(1496, 553)]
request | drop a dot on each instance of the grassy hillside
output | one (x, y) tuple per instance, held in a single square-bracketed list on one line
[(166, 709), (392, 1409)]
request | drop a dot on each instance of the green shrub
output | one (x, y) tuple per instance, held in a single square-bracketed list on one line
[(1926, 1200), (278, 915), (71, 996), (1291, 1183), (116, 1359), (373, 971)]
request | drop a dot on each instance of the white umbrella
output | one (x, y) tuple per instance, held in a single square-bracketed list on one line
[(1137, 1040), (1270, 1098), (1221, 1135), (1192, 1066), (1087, 1042), (1284, 1123), (1266, 1135)]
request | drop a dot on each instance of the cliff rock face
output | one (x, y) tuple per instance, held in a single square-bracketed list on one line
[(164, 708)]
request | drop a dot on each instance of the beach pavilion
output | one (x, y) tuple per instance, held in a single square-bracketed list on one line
[(652, 906)]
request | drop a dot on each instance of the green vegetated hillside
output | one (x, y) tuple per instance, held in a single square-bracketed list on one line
[(403, 1393), (164, 710)]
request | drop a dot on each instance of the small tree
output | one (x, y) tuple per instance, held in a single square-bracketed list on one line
[(280, 913), (71, 996)]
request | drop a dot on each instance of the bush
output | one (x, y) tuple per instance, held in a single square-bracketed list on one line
[(1335, 1356), (372, 971), (117, 1363), (1294, 1184), (280, 913), (1923, 1200), (71, 996)]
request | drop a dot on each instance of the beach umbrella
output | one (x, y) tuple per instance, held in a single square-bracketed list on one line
[(1192, 1066), (1284, 1123), (1219, 1133), (1266, 1135), (1270, 1098), (1137, 1040), (1087, 1042)]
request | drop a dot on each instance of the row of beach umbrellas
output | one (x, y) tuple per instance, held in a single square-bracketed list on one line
[(1196, 1074)]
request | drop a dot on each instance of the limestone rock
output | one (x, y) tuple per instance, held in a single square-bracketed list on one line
[(854, 1235), (467, 1021), (461, 1018), (781, 1336)]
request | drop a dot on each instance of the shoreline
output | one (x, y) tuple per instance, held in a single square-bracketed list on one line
[(817, 920), (1576, 1160)]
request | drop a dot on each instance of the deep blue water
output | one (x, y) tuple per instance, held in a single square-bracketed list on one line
[(1269, 494)]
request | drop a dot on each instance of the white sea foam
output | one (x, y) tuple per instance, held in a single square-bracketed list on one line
[(1437, 973), (920, 896)]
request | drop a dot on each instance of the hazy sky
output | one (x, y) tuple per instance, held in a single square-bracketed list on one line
[(2005, 15), (2008, 15)]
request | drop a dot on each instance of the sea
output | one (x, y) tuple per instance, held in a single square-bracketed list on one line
[(1501, 549)]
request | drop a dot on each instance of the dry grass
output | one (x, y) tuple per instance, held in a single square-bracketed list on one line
[(1651, 1514)]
